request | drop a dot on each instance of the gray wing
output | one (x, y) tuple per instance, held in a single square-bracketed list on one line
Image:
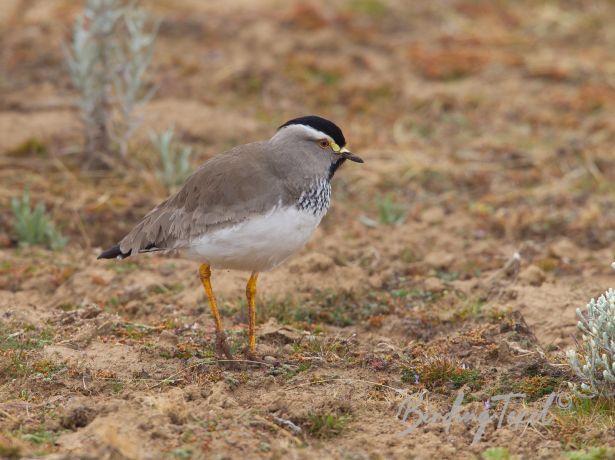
[(225, 190)]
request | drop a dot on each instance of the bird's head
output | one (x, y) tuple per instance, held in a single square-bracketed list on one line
[(320, 139)]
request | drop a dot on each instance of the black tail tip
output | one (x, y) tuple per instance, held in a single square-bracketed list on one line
[(113, 253)]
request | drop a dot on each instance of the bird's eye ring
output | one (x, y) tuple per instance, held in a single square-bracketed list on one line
[(324, 143)]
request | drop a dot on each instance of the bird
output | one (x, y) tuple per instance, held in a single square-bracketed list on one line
[(249, 209)]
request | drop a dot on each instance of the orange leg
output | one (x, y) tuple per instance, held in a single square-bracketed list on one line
[(221, 345), (251, 294)]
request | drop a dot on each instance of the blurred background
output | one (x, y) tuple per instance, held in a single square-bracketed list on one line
[(487, 127), (505, 108)]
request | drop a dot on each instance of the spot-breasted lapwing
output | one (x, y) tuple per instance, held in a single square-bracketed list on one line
[(249, 208)]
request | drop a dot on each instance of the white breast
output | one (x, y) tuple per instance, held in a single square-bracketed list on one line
[(256, 244)]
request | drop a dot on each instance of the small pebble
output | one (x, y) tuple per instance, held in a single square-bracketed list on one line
[(433, 284), (533, 275)]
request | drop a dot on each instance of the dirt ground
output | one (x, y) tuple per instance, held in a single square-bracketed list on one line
[(453, 259)]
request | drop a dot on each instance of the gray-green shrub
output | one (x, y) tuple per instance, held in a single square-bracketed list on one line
[(33, 226), (111, 48)]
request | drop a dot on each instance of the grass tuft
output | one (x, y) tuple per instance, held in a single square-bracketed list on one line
[(536, 386), (10, 452), (497, 453), (370, 8), (335, 308), (439, 371), (324, 426), (31, 146), (594, 453), (595, 412)]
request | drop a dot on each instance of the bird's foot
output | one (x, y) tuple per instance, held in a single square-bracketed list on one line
[(222, 348), (250, 355)]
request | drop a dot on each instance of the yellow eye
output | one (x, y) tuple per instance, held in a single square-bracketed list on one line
[(324, 143)]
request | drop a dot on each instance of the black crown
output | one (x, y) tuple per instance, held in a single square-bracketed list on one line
[(321, 124)]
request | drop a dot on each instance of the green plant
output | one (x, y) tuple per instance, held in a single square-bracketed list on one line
[(327, 425), (497, 453), (371, 8), (26, 337), (594, 358), (33, 226), (41, 437), (390, 212), (582, 412), (174, 161), (10, 452), (472, 308), (31, 146), (110, 51), (182, 453), (535, 386), (437, 371), (16, 343), (594, 453)]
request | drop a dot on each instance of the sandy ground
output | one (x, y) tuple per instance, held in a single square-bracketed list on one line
[(453, 259)]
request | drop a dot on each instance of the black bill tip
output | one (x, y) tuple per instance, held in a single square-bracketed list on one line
[(352, 157)]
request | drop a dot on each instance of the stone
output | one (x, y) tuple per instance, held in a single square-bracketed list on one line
[(533, 275), (433, 215), (439, 259), (434, 284)]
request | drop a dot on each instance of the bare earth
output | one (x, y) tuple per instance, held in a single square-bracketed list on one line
[(488, 131)]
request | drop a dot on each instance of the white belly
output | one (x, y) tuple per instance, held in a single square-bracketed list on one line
[(257, 244)]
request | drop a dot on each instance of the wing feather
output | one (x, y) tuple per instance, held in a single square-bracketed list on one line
[(227, 189)]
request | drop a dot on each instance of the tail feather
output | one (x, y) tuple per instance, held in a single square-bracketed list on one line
[(114, 253)]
